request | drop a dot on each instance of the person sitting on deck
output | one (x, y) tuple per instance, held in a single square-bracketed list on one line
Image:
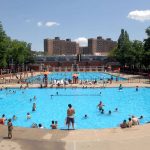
[(3, 119), (130, 123), (40, 126), (124, 124), (135, 120)]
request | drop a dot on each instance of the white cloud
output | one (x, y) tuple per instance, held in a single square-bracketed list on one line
[(82, 41), (50, 24), (140, 15), (39, 24)]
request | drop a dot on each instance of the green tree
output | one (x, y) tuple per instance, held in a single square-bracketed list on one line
[(146, 57), (18, 51), (4, 46), (127, 52), (121, 53)]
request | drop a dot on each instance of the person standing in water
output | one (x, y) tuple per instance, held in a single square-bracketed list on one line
[(34, 107), (100, 106), (137, 88)]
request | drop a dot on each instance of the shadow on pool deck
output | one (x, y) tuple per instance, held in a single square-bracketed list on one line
[(33, 139), (137, 137)]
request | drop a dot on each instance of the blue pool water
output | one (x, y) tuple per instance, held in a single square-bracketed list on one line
[(128, 101), (81, 75)]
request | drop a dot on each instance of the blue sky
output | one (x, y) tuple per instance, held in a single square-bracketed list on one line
[(34, 20)]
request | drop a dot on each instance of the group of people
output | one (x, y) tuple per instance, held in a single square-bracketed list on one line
[(54, 124), (9, 124), (132, 121), (121, 87), (70, 117), (101, 109)]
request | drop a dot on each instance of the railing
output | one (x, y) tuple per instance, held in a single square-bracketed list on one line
[(78, 68)]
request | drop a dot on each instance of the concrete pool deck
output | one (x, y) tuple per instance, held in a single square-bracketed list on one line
[(113, 84), (135, 138)]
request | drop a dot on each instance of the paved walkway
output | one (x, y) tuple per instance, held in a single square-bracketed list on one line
[(135, 138)]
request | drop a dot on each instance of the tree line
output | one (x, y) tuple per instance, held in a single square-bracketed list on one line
[(134, 55), (13, 52)]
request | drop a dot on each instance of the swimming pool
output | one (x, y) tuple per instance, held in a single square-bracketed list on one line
[(90, 76), (128, 101)]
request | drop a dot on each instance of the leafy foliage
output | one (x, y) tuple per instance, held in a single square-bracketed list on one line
[(18, 51), (134, 54)]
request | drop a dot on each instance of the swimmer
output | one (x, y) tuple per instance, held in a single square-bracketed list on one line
[(102, 112), (109, 112), (56, 123), (28, 116), (56, 93), (30, 99), (137, 88), (14, 118), (141, 117), (116, 110), (85, 116), (34, 107), (52, 96), (120, 87), (34, 97)]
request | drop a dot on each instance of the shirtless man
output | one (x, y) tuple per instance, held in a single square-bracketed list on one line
[(135, 120), (70, 116), (100, 106)]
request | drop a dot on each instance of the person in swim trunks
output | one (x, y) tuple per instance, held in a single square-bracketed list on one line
[(70, 116), (10, 128), (100, 106)]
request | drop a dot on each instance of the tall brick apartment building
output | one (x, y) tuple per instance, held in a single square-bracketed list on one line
[(100, 46), (60, 47), (96, 46)]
